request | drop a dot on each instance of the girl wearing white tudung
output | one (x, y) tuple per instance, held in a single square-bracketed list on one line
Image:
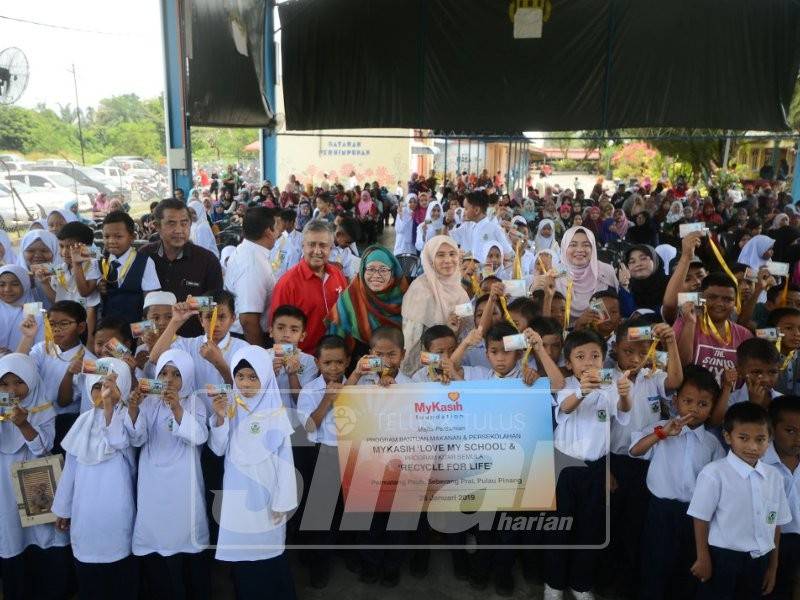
[(252, 431), (95, 499), (34, 560), (171, 528)]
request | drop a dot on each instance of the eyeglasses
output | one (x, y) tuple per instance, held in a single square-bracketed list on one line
[(382, 271), (61, 325)]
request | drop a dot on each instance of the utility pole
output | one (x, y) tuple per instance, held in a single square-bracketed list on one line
[(78, 110)]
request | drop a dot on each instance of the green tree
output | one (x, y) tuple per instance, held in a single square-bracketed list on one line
[(16, 129)]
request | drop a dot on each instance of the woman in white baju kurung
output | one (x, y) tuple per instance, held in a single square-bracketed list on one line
[(95, 499), (34, 560), (253, 433), (171, 528)]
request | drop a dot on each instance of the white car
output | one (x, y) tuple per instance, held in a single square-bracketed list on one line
[(115, 174), (38, 203), (53, 180)]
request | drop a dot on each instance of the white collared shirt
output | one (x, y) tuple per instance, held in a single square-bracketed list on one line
[(69, 291), (743, 504), (150, 280), (791, 485), (373, 378), (472, 235), (676, 461), (250, 278), (347, 259), (585, 432), (743, 395), (646, 395), (284, 255), (310, 397), (52, 370)]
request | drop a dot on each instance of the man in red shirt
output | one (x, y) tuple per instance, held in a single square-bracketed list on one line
[(312, 285)]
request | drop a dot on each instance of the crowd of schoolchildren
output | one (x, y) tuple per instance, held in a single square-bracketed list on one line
[(674, 373)]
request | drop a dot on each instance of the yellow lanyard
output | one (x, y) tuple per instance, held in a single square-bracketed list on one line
[(476, 287), (276, 263), (651, 354), (788, 360), (49, 342), (212, 324), (237, 401), (568, 303), (105, 265), (728, 272), (726, 339), (517, 272), (540, 262)]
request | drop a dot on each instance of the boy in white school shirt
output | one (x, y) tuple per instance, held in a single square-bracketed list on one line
[(784, 455), (758, 363), (677, 450), (648, 394), (584, 410), (476, 228), (738, 506), (294, 369), (319, 462), (287, 250)]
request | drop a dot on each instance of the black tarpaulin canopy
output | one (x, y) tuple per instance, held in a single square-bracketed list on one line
[(600, 64)]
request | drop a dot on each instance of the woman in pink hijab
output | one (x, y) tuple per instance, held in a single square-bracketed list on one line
[(587, 274)]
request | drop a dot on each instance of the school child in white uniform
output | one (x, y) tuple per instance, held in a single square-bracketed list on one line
[(477, 228), (584, 410), (34, 561), (431, 226), (294, 369), (96, 497), (784, 455), (211, 367), (319, 462), (404, 227), (251, 429), (442, 341), (15, 292), (649, 393), (171, 529), (60, 365), (739, 504), (158, 309), (212, 364), (76, 279), (675, 450)]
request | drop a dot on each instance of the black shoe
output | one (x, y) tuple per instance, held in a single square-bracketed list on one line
[(529, 568), (369, 573), (504, 583), (478, 580), (419, 563), (352, 562), (391, 577), (320, 575)]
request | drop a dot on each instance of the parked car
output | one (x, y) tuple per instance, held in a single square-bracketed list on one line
[(85, 176), (27, 204), (49, 180)]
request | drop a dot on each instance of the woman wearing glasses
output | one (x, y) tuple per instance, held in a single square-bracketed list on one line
[(372, 300)]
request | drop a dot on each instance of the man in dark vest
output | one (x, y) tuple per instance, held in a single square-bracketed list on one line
[(127, 275), (183, 268)]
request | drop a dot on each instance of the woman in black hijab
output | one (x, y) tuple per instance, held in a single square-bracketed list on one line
[(648, 281), (644, 230)]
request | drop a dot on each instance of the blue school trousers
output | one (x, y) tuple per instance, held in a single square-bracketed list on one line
[(734, 576), (101, 581), (258, 579), (667, 552)]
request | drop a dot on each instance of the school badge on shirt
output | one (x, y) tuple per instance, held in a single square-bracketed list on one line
[(655, 404), (170, 423), (771, 517), (485, 237), (255, 428), (602, 415)]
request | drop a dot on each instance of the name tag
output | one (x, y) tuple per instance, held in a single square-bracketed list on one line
[(191, 283)]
